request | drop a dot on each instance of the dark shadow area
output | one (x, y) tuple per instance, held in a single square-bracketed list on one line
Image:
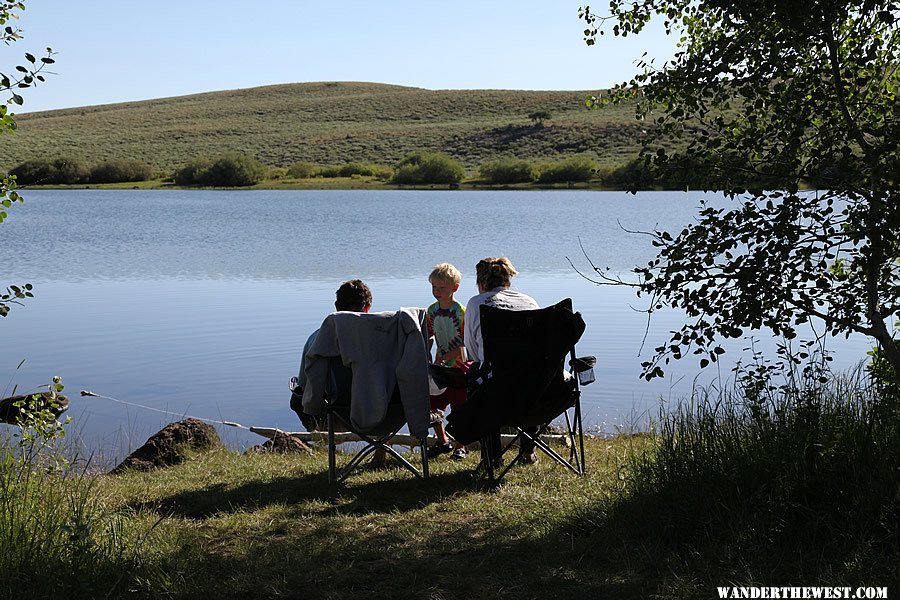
[(710, 539), (364, 562)]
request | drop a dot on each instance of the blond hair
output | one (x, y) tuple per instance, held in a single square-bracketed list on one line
[(445, 272), (494, 272)]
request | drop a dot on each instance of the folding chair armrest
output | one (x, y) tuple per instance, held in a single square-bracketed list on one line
[(583, 363)]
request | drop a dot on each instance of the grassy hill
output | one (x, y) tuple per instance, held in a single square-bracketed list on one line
[(329, 123)]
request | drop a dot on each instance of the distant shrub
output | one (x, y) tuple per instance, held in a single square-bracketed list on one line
[(428, 167), (230, 170), (356, 169), (384, 173), (192, 173), (33, 172), (635, 174), (360, 168), (329, 171), (234, 170), (507, 170), (46, 172), (70, 171), (118, 171), (538, 117), (277, 173), (303, 170), (578, 168)]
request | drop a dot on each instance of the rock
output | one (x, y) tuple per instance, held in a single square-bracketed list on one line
[(9, 412), (282, 443), (168, 446)]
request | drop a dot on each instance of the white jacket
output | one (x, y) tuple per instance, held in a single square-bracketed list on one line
[(383, 350)]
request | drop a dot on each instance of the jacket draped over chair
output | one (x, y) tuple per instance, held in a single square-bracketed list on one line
[(384, 351)]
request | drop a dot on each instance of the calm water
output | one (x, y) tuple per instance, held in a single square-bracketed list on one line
[(198, 302)]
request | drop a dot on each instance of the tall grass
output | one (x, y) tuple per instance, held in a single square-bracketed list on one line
[(794, 478), (57, 539)]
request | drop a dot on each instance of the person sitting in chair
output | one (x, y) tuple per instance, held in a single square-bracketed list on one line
[(353, 296), (493, 275)]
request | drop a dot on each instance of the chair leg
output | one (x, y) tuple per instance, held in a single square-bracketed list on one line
[(485, 448), (332, 459), (580, 427), (372, 444), (399, 458), (423, 446)]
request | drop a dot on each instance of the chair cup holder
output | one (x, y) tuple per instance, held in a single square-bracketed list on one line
[(586, 377), (584, 368)]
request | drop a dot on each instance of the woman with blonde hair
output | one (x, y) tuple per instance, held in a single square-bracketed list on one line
[(493, 275)]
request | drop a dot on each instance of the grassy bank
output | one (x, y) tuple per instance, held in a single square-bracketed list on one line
[(329, 183), (760, 485)]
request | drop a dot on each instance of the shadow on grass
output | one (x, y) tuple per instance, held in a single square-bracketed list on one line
[(728, 533), (423, 557), (398, 492), (388, 535)]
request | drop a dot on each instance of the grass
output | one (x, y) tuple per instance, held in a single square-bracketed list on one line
[(58, 538), (271, 526), (330, 123), (759, 485), (764, 484)]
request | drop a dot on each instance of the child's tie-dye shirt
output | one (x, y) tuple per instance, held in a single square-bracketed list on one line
[(446, 326)]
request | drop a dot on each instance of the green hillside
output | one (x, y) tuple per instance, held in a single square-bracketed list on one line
[(328, 123)]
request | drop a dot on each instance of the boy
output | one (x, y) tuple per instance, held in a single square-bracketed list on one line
[(445, 320)]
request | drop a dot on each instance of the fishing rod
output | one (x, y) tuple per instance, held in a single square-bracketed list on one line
[(166, 412)]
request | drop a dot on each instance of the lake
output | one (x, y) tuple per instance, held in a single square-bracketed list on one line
[(198, 302)]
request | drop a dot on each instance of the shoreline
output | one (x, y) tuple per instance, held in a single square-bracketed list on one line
[(340, 183)]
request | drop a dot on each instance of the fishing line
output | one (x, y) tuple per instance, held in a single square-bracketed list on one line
[(165, 412)]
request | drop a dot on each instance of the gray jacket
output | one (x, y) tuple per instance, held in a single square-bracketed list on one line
[(383, 350)]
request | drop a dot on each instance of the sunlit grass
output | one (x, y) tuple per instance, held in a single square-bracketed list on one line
[(330, 124)]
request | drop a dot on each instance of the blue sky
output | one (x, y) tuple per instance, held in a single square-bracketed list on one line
[(120, 50)]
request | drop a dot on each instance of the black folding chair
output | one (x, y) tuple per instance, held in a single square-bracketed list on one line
[(523, 384)]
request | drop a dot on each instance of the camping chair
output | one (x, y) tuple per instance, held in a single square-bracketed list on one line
[(365, 355), (339, 420), (523, 384)]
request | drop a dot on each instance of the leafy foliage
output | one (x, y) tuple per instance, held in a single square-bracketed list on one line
[(351, 169), (507, 170), (232, 170), (118, 171), (303, 170), (60, 171), (578, 168), (26, 75), (760, 89), (192, 173), (428, 167)]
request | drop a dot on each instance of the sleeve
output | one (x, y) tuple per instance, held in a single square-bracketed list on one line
[(301, 377), (316, 367)]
